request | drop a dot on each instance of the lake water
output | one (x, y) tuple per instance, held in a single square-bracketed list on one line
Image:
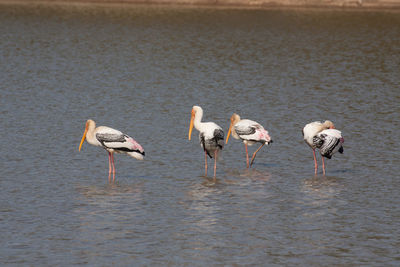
[(140, 69)]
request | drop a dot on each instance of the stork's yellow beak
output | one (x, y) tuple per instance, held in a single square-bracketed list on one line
[(191, 123), (84, 136), (229, 133)]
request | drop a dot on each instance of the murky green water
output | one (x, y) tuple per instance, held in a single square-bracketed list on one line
[(141, 69)]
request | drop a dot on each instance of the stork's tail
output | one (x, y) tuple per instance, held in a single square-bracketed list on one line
[(137, 154)]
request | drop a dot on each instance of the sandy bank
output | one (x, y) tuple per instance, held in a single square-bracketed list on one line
[(357, 4)]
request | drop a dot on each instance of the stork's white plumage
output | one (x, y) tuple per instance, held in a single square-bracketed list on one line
[(250, 132), (211, 136), (113, 141), (325, 137)]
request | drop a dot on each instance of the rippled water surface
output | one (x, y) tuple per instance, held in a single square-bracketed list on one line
[(140, 70)]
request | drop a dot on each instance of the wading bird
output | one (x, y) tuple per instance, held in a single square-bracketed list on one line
[(113, 141), (211, 136), (250, 132), (325, 137)]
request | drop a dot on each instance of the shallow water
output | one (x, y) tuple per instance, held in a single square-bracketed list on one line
[(140, 69)]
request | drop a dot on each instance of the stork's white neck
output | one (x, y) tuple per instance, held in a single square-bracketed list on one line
[(91, 126), (234, 119), (197, 117)]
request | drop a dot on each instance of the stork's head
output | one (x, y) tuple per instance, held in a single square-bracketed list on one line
[(234, 119), (328, 125), (89, 124), (195, 109)]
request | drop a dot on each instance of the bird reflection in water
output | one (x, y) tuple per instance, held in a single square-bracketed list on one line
[(251, 174), (319, 190)]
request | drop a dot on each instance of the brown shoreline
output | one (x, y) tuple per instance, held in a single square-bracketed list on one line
[(389, 5)]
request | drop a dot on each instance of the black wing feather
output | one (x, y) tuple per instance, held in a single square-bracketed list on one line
[(219, 138), (113, 138), (326, 145), (217, 142), (319, 140), (203, 144), (249, 131), (106, 137)]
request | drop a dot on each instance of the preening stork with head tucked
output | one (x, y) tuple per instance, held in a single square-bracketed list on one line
[(113, 141), (211, 136), (250, 132), (325, 137)]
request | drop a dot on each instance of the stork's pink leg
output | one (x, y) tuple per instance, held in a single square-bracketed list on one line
[(215, 164), (323, 165), (205, 160), (113, 166), (109, 167), (315, 162), (247, 156), (254, 154)]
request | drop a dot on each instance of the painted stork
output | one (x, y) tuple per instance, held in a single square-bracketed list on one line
[(113, 141), (250, 132), (325, 137), (211, 136)]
